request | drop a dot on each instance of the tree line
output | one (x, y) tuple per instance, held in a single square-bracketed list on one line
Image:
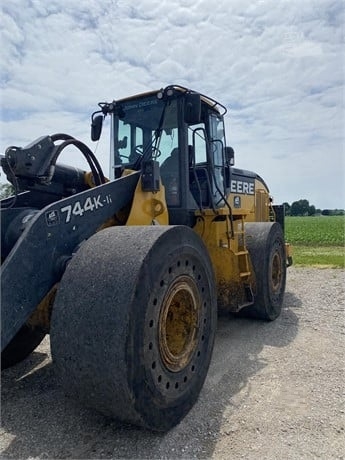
[(303, 208)]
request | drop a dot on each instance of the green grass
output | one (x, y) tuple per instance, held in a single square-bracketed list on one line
[(317, 241)]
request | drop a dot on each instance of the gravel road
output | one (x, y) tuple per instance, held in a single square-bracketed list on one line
[(274, 391)]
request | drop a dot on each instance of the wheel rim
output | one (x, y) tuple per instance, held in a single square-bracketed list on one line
[(179, 324), (277, 272)]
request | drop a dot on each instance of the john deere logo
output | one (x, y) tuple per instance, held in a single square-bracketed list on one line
[(237, 202), (52, 217)]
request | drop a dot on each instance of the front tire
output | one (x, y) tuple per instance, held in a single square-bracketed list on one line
[(134, 322)]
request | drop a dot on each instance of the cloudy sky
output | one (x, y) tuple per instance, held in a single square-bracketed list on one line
[(278, 65)]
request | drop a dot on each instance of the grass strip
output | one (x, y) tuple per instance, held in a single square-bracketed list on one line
[(319, 256)]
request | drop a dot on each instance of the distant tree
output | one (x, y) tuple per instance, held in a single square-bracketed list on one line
[(333, 212), (339, 212), (300, 208), (311, 210), (6, 190), (287, 208)]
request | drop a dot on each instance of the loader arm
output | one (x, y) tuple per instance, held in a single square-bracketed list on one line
[(39, 256)]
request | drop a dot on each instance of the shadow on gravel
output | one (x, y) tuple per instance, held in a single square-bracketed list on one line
[(41, 423)]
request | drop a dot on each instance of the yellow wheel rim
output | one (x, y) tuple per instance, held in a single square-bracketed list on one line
[(277, 274), (179, 323)]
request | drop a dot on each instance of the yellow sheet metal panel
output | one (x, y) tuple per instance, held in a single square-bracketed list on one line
[(224, 250), (253, 203), (148, 207)]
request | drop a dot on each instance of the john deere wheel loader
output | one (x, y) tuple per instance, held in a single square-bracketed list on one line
[(127, 274)]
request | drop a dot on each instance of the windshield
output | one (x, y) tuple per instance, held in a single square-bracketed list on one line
[(136, 130)]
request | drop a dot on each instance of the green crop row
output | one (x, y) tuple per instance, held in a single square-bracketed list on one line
[(317, 241), (318, 230)]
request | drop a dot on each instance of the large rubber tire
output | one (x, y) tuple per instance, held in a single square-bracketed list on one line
[(22, 344), (266, 247), (133, 323)]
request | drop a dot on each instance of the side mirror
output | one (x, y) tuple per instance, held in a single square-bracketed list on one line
[(229, 156), (96, 127), (192, 108)]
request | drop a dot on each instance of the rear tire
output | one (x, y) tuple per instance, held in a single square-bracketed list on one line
[(266, 247), (134, 321)]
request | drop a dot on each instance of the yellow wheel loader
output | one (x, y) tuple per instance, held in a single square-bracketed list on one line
[(127, 273)]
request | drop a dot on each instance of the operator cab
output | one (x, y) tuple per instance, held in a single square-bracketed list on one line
[(183, 132)]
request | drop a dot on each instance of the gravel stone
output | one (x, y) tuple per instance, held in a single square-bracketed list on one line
[(274, 390)]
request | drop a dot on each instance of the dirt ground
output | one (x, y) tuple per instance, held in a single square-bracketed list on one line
[(274, 391)]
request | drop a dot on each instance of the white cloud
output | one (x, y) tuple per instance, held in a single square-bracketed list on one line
[(277, 65)]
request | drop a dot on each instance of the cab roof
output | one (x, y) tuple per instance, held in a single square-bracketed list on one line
[(215, 105)]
